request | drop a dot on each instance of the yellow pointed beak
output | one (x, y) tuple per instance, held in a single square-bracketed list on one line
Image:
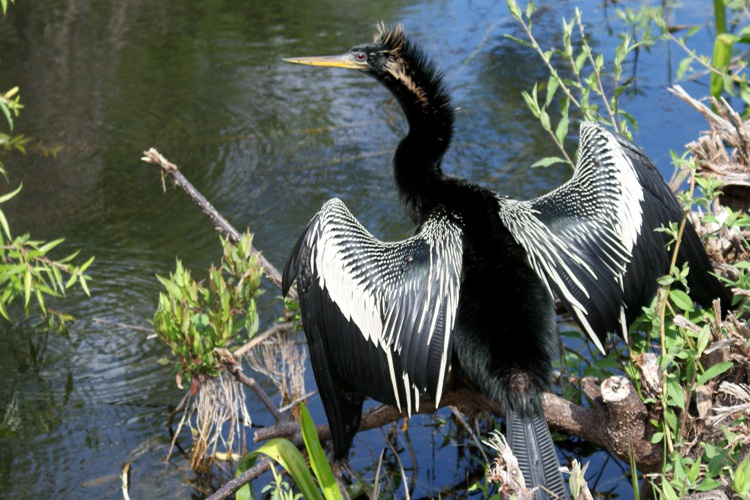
[(343, 61)]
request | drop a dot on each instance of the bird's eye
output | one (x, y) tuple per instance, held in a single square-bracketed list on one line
[(360, 56)]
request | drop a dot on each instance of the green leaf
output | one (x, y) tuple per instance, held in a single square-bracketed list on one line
[(27, 288), (670, 418), (694, 471), (50, 245), (708, 484), (692, 31), (718, 462), (580, 60), (531, 102), (549, 160), (6, 112), (567, 32), (544, 119), (288, 456), (10, 195), (40, 301), (741, 478), (514, 10), (318, 460), (529, 9), (676, 396), (681, 300), (562, 128), (552, 85), (722, 54), (669, 493), (4, 223), (683, 67), (86, 264), (518, 40), (703, 338), (85, 287), (713, 372)]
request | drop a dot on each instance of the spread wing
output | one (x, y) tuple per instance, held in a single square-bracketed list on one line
[(379, 314), (593, 239)]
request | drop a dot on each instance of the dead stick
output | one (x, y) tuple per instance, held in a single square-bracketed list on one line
[(258, 339), (221, 224)]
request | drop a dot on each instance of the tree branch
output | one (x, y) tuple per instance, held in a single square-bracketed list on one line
[(617, 420), (222, 225), (235, 484)]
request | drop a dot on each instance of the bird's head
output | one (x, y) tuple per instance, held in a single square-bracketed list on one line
[(380, 58), (396, 62)]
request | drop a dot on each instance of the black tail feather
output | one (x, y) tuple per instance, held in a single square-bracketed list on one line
[(531, 442)]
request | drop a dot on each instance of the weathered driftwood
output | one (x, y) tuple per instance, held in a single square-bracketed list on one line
[(724, 151)]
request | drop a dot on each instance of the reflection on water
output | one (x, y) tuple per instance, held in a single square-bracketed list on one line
[(267, 143)]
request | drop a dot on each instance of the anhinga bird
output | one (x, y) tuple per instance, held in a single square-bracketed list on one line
[(475, 283)]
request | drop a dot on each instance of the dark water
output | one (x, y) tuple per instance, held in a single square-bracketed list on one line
[(267, 143)]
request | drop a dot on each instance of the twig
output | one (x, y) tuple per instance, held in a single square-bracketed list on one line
[(221, 224), (185, 401), (124, 325), (259, 339), (238, 482), (587, 49), (230, 363), (547, 62), (400, 466), (376, 486), (471, 432), (125, 481), (297, 401)]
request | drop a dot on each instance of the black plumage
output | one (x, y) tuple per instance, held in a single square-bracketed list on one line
[(474, 285)]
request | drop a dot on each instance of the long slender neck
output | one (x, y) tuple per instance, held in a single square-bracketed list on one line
[(416, 164)]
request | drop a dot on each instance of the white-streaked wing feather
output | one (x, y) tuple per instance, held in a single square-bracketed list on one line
[(402, 297), (580, 237)]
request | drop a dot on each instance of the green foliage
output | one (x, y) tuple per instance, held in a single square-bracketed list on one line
[(194, 318), (577, 78), (685, 368), (10, 105), (290, 458), (741, 479), (4, 4), (279, 489), (728, 62), (26, 269), (672, 327)]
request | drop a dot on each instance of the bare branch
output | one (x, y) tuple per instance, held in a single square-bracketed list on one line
[(617, 419), (222, 225), (259, 339), (235, 484)]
